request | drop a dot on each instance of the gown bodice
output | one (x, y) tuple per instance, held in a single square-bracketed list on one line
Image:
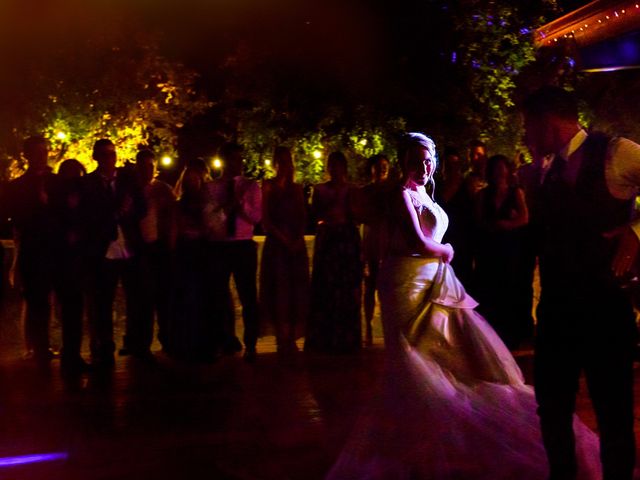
[(433, 219)]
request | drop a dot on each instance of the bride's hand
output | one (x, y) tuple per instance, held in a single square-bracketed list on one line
[(447, 253)]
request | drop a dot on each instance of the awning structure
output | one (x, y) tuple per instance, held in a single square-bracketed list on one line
[(603, 35)]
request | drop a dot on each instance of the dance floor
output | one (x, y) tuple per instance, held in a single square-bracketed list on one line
[(275, 419)]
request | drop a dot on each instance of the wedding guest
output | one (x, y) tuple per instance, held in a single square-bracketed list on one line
[(460, 210), (158, 231), (451, 174), (501, 212), (69, 269), (113, 208), (191, 333), (477, 175), (334, 322), (284, 272), (372, 197), (29, 207), (234, 208)]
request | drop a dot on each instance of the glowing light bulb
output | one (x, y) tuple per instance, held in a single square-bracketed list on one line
[(317, 154), (217, 163), (61, 136), (166, 161), (267, 162)]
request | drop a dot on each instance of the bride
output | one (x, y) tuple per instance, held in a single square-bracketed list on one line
[(452, 403)]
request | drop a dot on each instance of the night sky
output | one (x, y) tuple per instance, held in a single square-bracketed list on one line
[(342, 40)]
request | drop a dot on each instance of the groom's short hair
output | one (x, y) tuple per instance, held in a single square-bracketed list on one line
[(551, 100)]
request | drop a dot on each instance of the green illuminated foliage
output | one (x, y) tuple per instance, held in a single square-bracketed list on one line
[(495, 45), (139, 99)]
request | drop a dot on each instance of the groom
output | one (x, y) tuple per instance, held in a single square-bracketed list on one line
[(583, 203)]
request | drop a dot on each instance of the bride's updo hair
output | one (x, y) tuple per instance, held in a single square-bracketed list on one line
[(411, 141)]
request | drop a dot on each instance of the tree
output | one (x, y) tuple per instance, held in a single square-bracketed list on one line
[(262, 104), (119, 88), (494, 46)]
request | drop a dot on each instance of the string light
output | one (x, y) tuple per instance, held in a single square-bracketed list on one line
[(613, 15)]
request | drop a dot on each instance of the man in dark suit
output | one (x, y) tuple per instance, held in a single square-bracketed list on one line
[(587, 243), (28, 206), (113, 209)]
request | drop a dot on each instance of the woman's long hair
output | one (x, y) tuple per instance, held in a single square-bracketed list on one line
[(283, 161)]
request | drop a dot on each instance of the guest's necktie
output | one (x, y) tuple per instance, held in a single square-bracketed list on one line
[(231, 208)]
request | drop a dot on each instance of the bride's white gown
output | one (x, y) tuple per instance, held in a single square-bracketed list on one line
[(452, 403)]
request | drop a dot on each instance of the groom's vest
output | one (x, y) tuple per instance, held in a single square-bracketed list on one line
[(571, 220)]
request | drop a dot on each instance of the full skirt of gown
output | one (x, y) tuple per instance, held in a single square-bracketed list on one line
[(452, 403)]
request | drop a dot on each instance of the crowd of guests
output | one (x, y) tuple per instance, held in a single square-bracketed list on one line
[(495, 258), (175, 248)]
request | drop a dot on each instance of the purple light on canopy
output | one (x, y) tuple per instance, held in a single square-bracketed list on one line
[(33, 458)]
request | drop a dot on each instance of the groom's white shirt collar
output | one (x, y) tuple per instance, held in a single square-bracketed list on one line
[(574, 144)]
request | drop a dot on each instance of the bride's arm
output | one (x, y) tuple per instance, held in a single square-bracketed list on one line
[(428, 245)]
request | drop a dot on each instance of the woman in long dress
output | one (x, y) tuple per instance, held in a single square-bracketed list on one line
[(501, 215), (452, 402), (284, 272), (334, 318), (192, 333)]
